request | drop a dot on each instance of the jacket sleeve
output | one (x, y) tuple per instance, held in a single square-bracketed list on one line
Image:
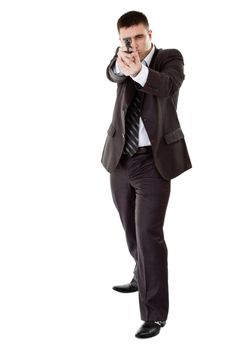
[(168, 77), (115, 78)]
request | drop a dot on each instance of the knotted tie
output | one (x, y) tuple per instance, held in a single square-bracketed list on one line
[(132, 125)]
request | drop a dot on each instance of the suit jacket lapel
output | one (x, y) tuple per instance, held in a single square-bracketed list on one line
[(154, 57)]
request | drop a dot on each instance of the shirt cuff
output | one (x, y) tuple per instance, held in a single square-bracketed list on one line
[(141, 78), (116, 70)]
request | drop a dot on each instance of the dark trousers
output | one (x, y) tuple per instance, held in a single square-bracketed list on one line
[(141, 196)]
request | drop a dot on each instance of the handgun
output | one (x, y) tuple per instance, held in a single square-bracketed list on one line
[(127, 42)]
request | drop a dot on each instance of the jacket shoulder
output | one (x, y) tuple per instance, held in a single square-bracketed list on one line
[(170, 54)]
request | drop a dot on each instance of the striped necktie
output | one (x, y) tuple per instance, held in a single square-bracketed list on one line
[(132, 125)]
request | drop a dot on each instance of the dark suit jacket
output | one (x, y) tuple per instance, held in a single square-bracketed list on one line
[(158, 114)]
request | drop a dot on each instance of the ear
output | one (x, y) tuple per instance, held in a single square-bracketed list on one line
[(150, 33)]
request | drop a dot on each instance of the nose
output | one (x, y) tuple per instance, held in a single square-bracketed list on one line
[(133, 43)]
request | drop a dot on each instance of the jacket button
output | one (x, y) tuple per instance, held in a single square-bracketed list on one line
[(123, 136)]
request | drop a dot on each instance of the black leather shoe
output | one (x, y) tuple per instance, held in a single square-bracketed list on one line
[(127, 288), (150, 329)]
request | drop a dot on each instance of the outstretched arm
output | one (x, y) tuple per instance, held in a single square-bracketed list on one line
[(168, 77)]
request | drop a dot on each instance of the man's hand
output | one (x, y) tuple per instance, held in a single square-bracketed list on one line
[(129, 63)]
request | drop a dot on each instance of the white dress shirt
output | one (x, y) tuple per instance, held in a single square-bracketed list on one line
[(141, 79)]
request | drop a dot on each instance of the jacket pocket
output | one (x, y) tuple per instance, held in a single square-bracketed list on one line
[(111, 130), (174, 136)]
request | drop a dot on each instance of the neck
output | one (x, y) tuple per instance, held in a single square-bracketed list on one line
[(147, 52)]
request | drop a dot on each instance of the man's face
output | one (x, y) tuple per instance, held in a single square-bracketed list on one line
[(140, 38)]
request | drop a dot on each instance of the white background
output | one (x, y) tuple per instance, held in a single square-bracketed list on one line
[(62, 245)]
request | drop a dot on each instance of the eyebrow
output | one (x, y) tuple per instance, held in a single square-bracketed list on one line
[(129, 37)]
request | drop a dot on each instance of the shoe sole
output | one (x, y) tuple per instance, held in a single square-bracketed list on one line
[(124, 291)]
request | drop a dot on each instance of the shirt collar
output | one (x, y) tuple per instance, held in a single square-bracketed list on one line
[(148, 58)]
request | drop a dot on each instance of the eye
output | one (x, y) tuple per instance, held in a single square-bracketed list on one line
[(140, 36)]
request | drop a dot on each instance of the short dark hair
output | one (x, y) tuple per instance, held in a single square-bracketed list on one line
[(132, 18)]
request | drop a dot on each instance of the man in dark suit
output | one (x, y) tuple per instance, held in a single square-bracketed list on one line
[(144, 149)]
